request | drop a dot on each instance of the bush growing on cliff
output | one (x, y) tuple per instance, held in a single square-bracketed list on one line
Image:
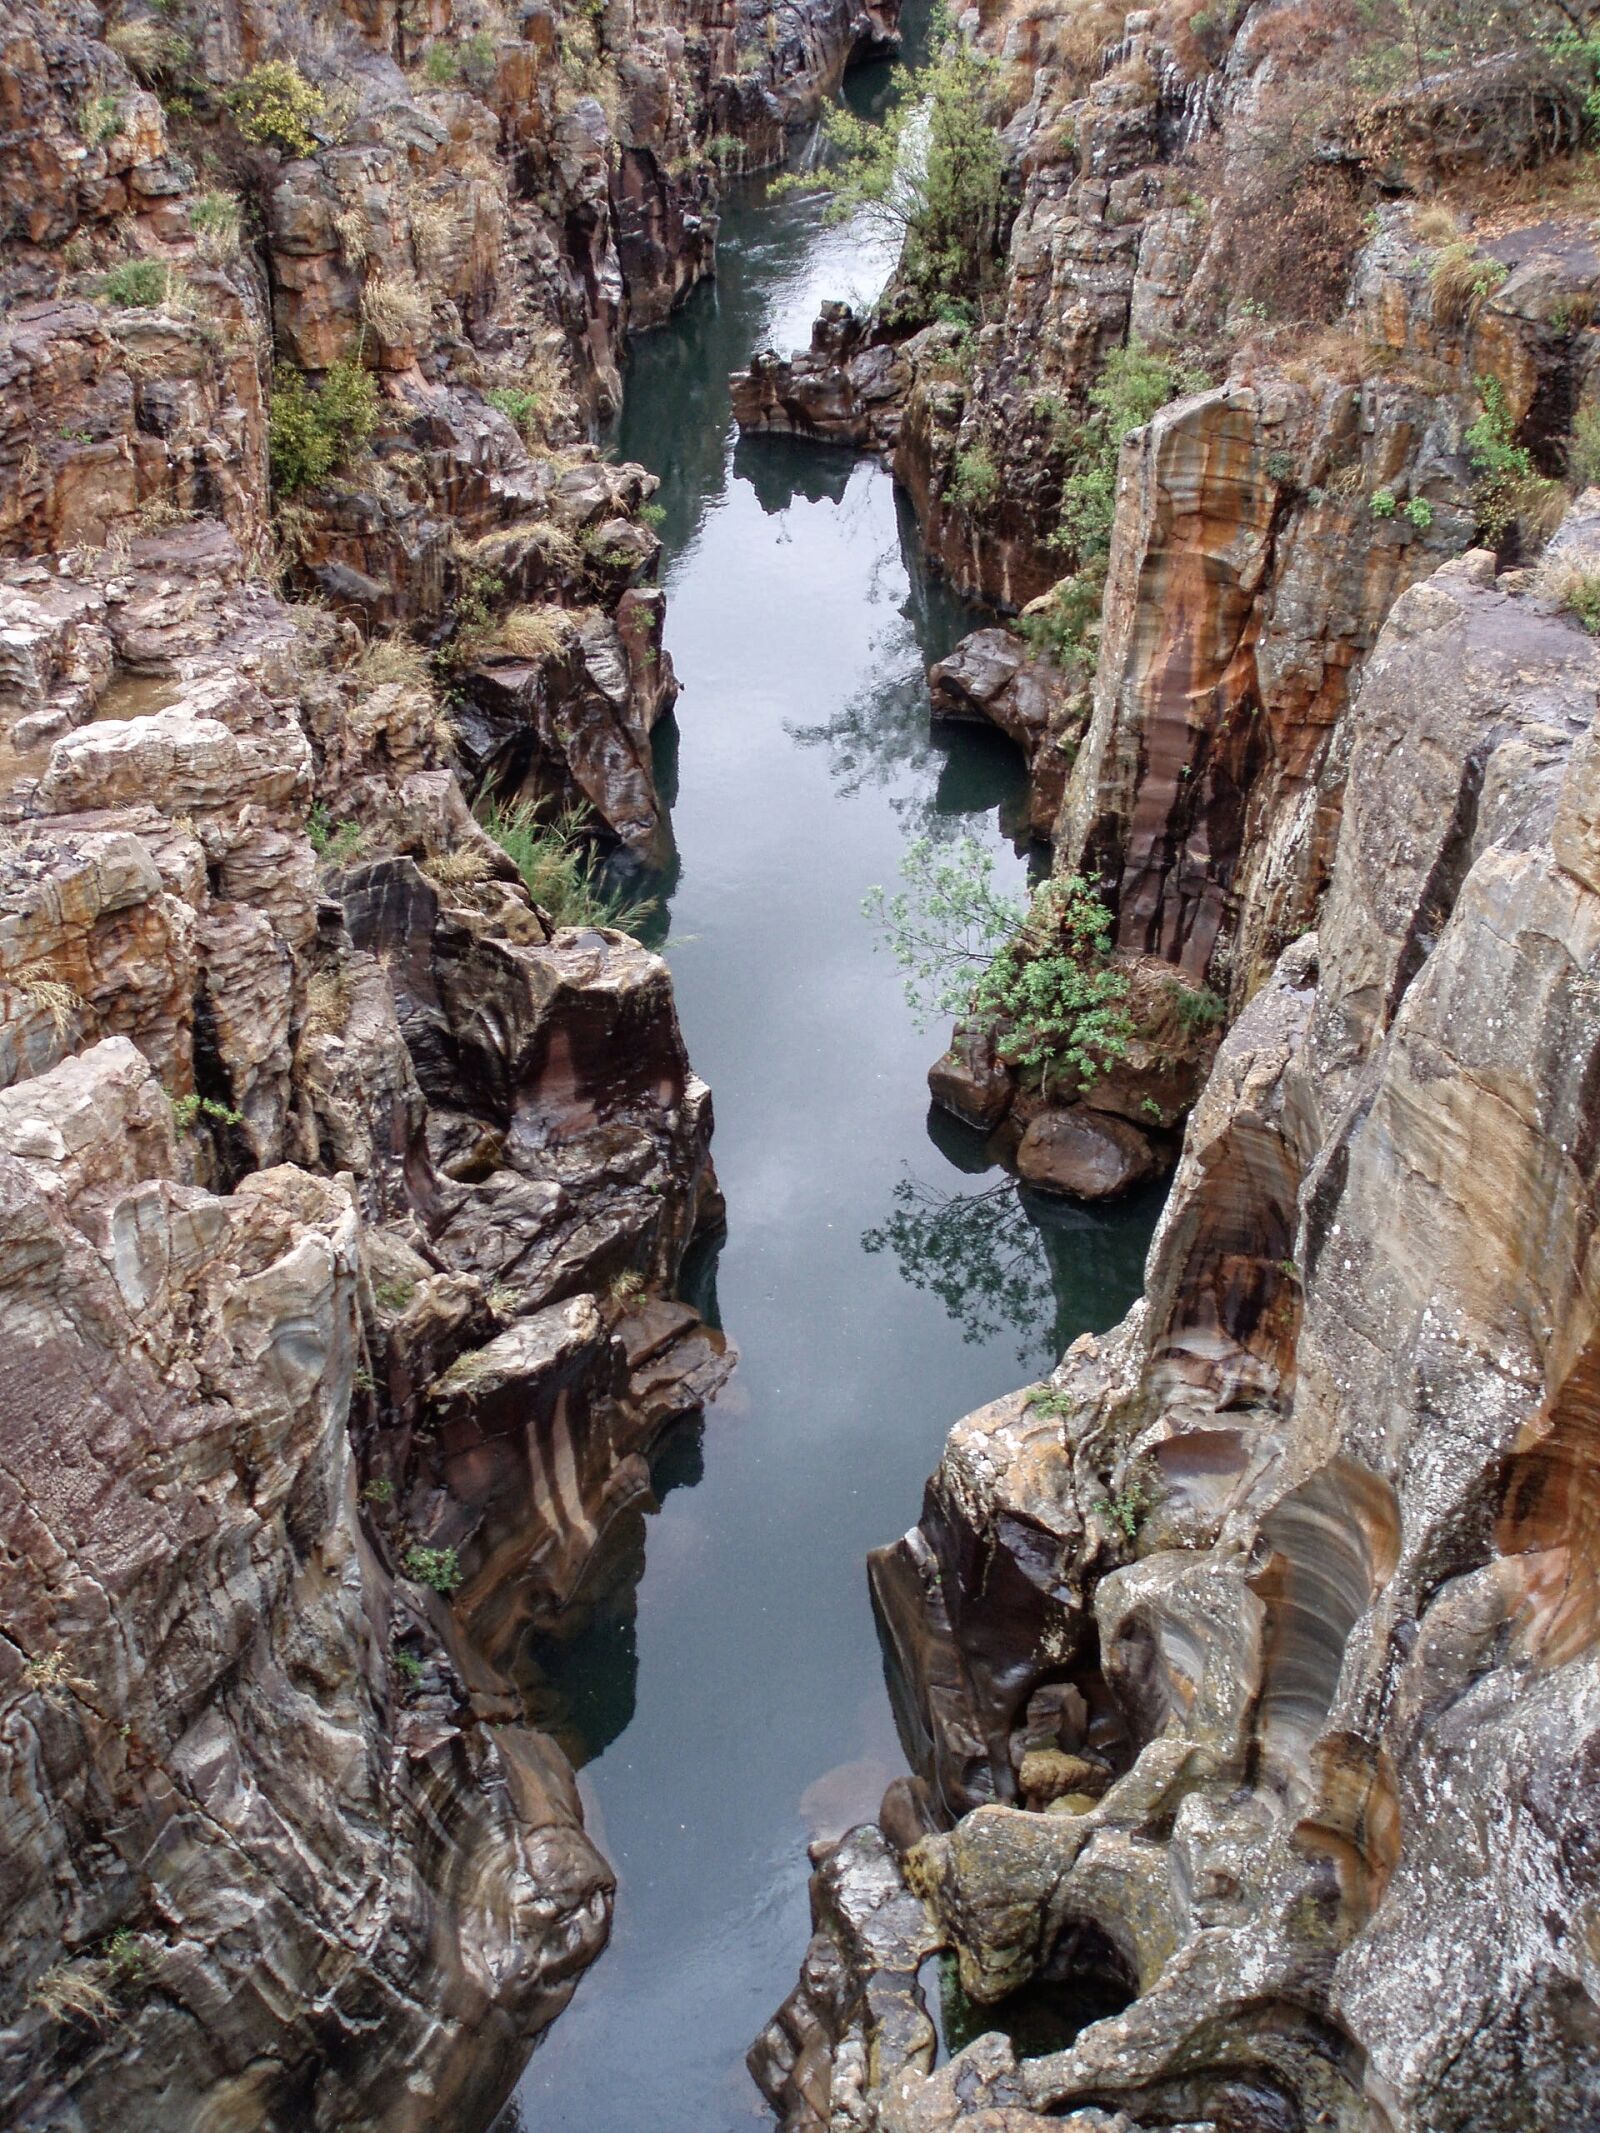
[(933, 168), (560, 871), (975, 481), (1039, 974), (1507, 489), (436, 1568), (313, 430), (277, 107)]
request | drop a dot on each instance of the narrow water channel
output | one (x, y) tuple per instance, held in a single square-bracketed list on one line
[(877, 1278)]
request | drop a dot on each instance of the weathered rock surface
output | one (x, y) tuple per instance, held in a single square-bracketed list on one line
[(344, 1193), (1270, 1607)]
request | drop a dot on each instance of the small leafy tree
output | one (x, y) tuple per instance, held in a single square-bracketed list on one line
[(276, 106), (313, 430), (1040, 975), (933, 168)]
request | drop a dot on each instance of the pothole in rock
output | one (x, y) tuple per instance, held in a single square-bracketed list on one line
[(1085, 1981)]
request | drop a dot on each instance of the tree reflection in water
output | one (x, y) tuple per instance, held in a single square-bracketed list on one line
[(977, 1252), (1003, 1257)]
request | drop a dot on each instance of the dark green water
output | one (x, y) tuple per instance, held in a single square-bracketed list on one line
[(729, 1705)]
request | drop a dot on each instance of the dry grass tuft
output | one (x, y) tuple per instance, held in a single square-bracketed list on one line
[(534, 632), (75, 1992), (1573, 582), (1435, 222), (397, 309), (433, 233), (1461, 278), (60, 1002), (394, 660), (459, 868)]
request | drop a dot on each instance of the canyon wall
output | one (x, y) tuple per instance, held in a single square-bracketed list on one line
[(1253, 1654), (346, 1189), (1246, 1666)]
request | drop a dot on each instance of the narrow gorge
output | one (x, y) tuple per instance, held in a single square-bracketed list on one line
[(1017, 596)]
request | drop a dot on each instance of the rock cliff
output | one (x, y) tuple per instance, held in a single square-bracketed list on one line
[(1252, 1652), (1245, 1665), (347, 1185)]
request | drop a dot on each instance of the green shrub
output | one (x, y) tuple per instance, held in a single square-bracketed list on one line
[(1574, 582), (276, 106), (724, 149), (311, 431), (338, 841), (1058, 628), (471, 60), (1039, 974), (559, 869), (1197, 1007), (214, 217), (975, 481), (1505, 477), (434, 1567), (135, 284), (1134, 384), (1460, 279), (188, 1111), (520, 406), (1419, 513), (100, 119), (1382, 503), (941, 187)]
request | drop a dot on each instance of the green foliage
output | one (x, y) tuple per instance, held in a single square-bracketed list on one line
[(434, 1567), (934, 168), (277, 107), (1382, 503), (214, 217), (100, 119), (1197, 1007), (471, 60), (1574, 582), (1059, 1002), (1461, 278), (1419, 513), (1058, 629), (379, 1491), (312, 431), (559, 869), (339, 842), (1503, 469), (975, 481), (409, 1667), (653, 514), (520, 406), (134, 284), (1127, 1508), (1135, 384), (1040, 975), (1280, 466), (188, 1111), (724, 149)]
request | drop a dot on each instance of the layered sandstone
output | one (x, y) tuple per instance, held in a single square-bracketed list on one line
[(1251, 1655)]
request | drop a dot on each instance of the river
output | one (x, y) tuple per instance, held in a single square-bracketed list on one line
[(878, 1278)]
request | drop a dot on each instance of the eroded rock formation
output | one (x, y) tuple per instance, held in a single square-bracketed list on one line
[(1249, 1661)]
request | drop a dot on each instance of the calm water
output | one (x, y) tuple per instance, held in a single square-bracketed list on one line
[(877, 1279)]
